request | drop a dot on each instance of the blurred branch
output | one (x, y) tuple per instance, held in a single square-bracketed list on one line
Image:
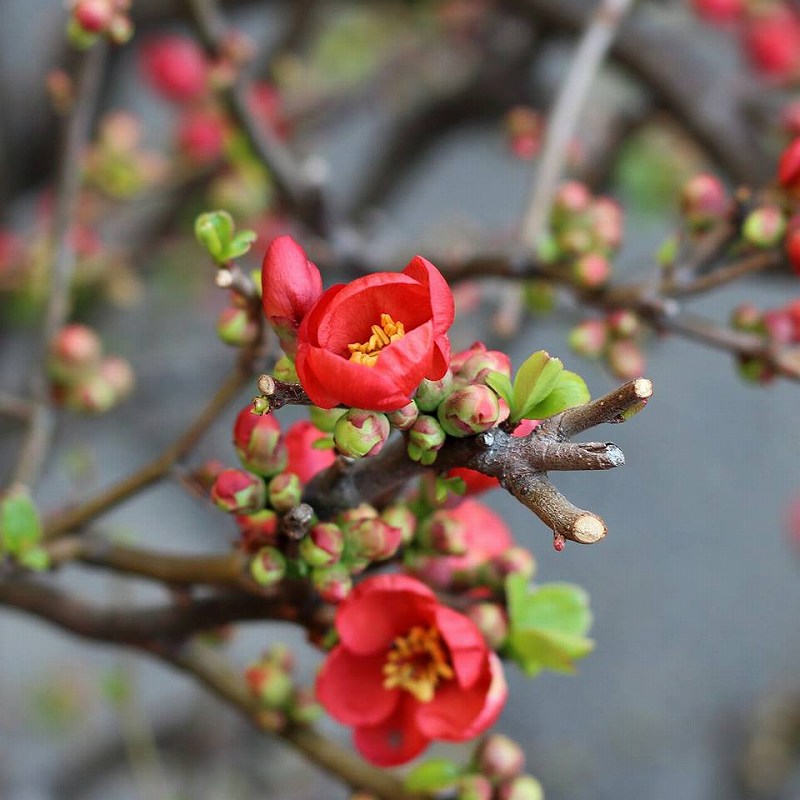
[(40, 429), (12, 406)]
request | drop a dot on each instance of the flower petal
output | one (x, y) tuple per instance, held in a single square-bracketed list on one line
[(442, 303), (466, 644), (380, 609), (394, 741), (291, 284), (350, 687)]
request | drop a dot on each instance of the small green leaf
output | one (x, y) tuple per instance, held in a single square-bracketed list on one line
[(533, 382), (668, 252), (240, 244), (570, 390), (433, 775), (440, 490), (214, 230), (501, 384), (456, 485), (34, 558), (20, 529)]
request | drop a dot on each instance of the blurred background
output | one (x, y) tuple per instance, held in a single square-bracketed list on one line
[(693, 691)]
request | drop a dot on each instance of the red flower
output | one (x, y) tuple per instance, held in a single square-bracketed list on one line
[(369, 344), (176, 67), (789, 166), (305, 460), (773, 43), (408, 670), (290, 285)]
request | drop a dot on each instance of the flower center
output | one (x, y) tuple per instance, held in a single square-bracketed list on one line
[(387, 332), (416, 663)]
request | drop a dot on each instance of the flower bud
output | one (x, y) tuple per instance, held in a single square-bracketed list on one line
[(606, 219), (332, 583), (525, 787), (75, 348), (515, 561), (257, 529), (589, 338), (236, 328), (789, 166), (322, 546), (281, 656), (284, 491), (201, 137), (492, 621), (257, 440), (500, 758), (779, 326), (120, 29), (755, 370), (207, 472), (457, 360), (719, 11), (430, 393), (479, 365), (748, 318), (473, 409), (117, 372), (445, 533), (625, 359), (93, 394), (400, 516), (238, 492), (473, 787), (360, 433), (284, 370), (623, 324), (325, 419), (269, 683), (425, 439), (354, 515), (268, 566), (572, 198), (93, 16), (405, 417), (176, 67), (304, 710), (704, 201), (764, 227), (591, 271), (372, 539)]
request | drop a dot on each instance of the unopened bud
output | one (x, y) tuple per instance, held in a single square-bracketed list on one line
[(589, 338), (779, 326), (118, 373), (755, 370), (623, 324), (591, 271), (238, 491), (405, 417), (93, 16), (525, 787), (325, 419), (270, 684), (445, 533), (332, 583), (372, 539), (515, 561), (400, 516), (93, 394), (257, 529), (473, 787), (625, 359), (284, 491), (304, 710), (473, 409), (764, 227), (323, 544), (478, 366), (268, 566), (606, 217), (425, 439), (704, 201), (75, 348), (258, 443), (492, 621), (360, 433), (500, 758), (430, 393), (572, 198), (284, 370), (748, 318), (236, 327)]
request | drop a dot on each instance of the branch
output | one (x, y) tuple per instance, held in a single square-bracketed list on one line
[(12, 406), (40, 428)]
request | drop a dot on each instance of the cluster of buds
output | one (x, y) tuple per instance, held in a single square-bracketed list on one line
[(281, 701), (497, 773), (778, 326), (586, 232), (82, 378), (524, 130), (769, 32), (91, 19), (615, 338), (116, 164)]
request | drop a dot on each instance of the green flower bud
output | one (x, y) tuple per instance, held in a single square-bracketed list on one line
[(268, 566), (405, 417), (322, 546), (764, 227), (473, 409), (332, 583), (360, 433), (525, 787), (284, 370), (325, 418), (236, 328), (270, 684), (284, 491), (400, 516), (425, 439), (431, 393)]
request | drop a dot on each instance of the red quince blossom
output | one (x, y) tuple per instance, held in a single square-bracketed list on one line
[(368, 344), (290, 286), (305, 460), (408, 670)]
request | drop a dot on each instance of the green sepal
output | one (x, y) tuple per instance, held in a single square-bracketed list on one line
[(34, 558), (433, 775), (240, 244), (20, 527)]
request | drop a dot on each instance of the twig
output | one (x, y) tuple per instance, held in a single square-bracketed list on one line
[(40, 429), (12, 406)]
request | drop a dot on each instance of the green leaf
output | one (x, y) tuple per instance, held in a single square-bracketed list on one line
[(214, 231), (533, 382), (20, 529), (570, 390), (547, 625), (34, 558), (433, 775), (501, 384), (240, 244)]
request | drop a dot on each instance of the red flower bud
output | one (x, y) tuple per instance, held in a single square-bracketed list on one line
[(625, 359), (591, 271), (793, 247), (94, 16), (764, 227), (176, 67), (572, 198), (473, 409), (75, 347), (257, 530), (332, 583), (773, 43), (237, 491), (492, 622), (500, 758), (480, 364), (589, 338), (305, 460), (290, 286), (284, 491), (257, 439), (607, 219), (704, 201), (623, 324), (515, 561), (323, 545), (445, 532), (779, 325), (789, 166), (372, 539), (201, 135)]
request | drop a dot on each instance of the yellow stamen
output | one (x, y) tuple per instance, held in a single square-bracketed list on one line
[(382, 335), (416, 663)]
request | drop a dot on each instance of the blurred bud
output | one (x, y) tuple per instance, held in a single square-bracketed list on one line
[(74, 349), (354, 515), (236, 327), (476, 368), (793, 247), (94, 16), (268, 566), (445, 533), (591, 271), (405, 417), (607, 222), (473, 409), (371, 539), (332, 583), (323, 544), (118, 373), (120, 30), (284, 491), (473, 787), (492, 621), (201, 136), (623, 324), (269, 683), (748, 318), (91, 394), (400, 516), (755, 370), (790, 117), (257, 529), (425, 439), (360, 433), (238, 492), (500, 758), (430, 393), (207, 472), (625, 359), (525, 787), (589, 338), (515, 561), (764, 227), (719, 11), (284, 370), (572, 198), (280, 655), (704, 201), (539, 296), (772, 41), (779, 326), (176, 67), (257, 441), (325, 419), (304, 710)]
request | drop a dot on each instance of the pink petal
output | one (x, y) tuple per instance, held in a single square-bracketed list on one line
[(394, 741), (350, 687)]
